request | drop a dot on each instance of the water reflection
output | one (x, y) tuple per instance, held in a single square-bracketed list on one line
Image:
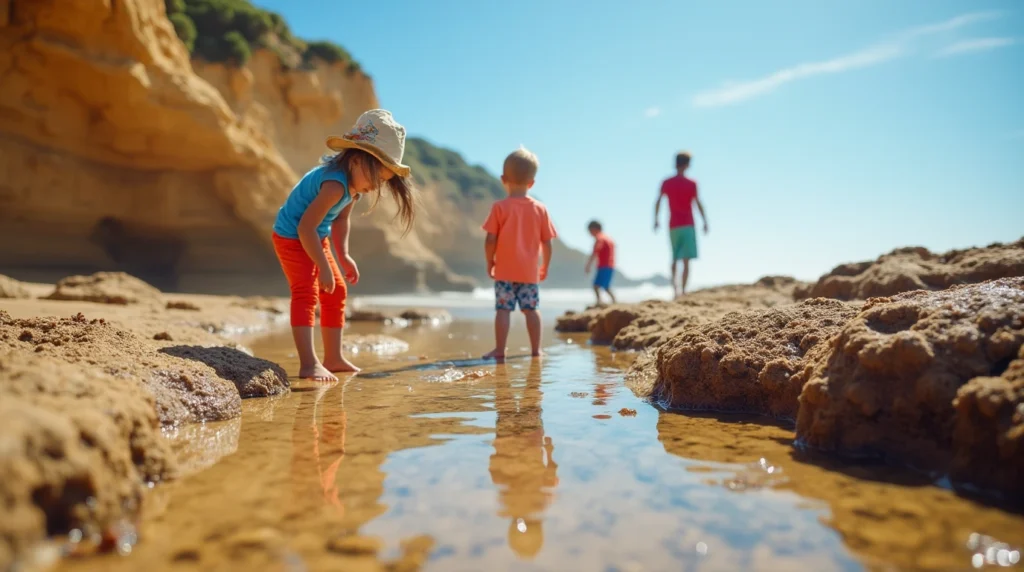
[(318, 444), (522, 466)]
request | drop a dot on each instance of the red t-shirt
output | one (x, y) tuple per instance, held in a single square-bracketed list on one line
[(681, 193), (604, 250)]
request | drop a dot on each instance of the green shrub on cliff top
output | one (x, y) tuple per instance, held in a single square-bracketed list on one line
[(185, 29), (228, 30)]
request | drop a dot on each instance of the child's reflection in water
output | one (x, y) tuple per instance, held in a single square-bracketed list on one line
[(318, 443), (522, 466)]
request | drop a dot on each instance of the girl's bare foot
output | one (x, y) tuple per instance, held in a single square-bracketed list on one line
[(537, 353), (316, 372), (340, 365), (494, 354)]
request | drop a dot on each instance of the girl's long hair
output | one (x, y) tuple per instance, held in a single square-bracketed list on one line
[(401, 188)]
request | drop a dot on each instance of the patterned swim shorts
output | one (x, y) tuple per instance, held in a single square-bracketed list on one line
[(506, 294)]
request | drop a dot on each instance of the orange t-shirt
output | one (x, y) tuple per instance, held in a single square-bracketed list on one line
[(521, 225)]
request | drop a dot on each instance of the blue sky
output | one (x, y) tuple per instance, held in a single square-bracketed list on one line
[(822, 132)]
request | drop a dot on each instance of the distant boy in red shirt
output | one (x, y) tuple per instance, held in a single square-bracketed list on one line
[(518, 250), (682, 193), (604, 253)]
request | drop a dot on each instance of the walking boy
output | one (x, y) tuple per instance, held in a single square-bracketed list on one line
[(682, 193), (519, 234), (604, 254)]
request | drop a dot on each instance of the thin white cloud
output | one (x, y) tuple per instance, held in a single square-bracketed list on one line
[(898, 46), (652, 112), (974, 45)]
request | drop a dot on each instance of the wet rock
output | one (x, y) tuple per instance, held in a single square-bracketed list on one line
[(929, 378), (11, 288), (745, 361), (916, 268), (264, 304), (434, 315), (184, 390), (369, 316), (77, 448), (254, 377), (574, 322), (988, 437), (412, 315), (182, 305), (105, 288)]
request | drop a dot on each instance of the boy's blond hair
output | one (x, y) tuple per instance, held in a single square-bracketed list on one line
[(521, 166)]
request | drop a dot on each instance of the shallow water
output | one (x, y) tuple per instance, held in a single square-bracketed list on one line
[(537, 464)]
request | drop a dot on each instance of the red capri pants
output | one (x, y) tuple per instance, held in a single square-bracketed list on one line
[(303, 276)]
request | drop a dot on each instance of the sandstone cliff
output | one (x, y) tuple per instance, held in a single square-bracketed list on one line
[(119, 152)]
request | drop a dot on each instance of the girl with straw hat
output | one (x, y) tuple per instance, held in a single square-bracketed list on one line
[(366, 160)]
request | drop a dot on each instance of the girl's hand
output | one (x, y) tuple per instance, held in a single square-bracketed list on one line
[(349, 269), (327, 281)]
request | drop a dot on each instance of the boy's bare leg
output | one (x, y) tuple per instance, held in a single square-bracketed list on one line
[(675, 285), (309, 365), (533, 328), (502, 320), (334, 354), (610, 295), (597, 294), (686, 274)]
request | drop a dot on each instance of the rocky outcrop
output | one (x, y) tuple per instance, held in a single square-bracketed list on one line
[(11, 288), (925, 377), (78, 447), (105, 288), (744, 361), (915, 268), (197, 385), (988, 437), (648, 324)]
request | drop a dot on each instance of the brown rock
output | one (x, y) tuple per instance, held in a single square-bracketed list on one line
[(182, 305), (435, 315), (105, 288), (745, 361), (915, 268), (988, 437), (11, 288), (78, 447), (254, 377), (925, 378), (648, 324), (185, 390)]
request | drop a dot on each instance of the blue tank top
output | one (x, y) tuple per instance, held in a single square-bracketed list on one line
[(308, 187)]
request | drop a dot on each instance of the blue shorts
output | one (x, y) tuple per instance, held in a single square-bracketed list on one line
[(507, 294), (603, 278)]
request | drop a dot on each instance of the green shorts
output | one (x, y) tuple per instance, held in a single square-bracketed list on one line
[(684, 242)]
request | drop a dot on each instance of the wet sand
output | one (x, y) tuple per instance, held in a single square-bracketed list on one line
[(535, 464)]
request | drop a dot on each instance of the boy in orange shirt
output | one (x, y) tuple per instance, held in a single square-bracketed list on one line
[(519, 234)]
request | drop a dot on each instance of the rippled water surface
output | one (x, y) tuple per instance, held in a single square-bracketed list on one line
[(532, 464)]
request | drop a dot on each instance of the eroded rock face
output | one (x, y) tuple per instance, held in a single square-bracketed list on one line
[(924, 377), (105, 288), (78, 447), (988, 437), (650, 323), (908, 269), (11, 288), (185, 390), (744, 361)]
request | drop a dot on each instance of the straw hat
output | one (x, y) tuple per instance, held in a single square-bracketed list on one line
[(377, 133)]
